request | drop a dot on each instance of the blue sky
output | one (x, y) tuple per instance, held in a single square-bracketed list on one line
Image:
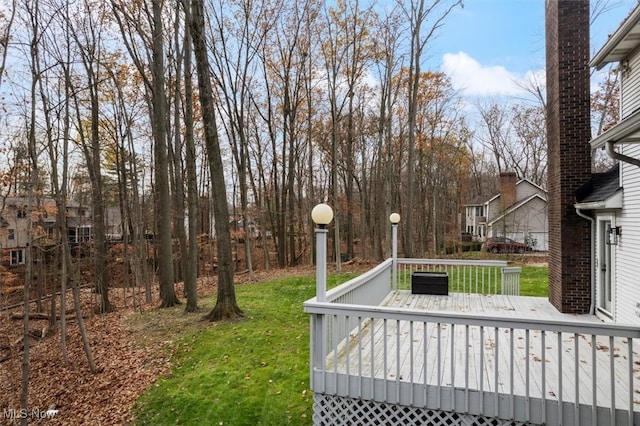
[(489, 45)]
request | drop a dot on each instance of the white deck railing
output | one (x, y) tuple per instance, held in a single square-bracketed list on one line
[(534, 371), (372, 287), (465, 276)]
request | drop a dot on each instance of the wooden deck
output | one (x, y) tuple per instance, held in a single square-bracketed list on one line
[(493, 305), (545, 364)]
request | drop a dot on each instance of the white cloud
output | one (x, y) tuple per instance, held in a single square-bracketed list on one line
[(473, 79)]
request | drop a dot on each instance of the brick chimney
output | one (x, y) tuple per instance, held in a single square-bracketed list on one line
[(508, 182), (569, 157)]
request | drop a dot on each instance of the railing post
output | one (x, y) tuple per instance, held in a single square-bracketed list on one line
[(322, 215), (394, 218), (511, 280), (321, 264)]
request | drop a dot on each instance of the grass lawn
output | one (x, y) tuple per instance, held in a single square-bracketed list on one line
[(534, 281), (251, 372), (254, 371)]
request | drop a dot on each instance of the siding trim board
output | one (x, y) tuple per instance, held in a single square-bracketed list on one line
[(628, 131)]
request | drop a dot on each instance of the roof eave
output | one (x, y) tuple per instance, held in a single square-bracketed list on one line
[(600, 59), (619, 132), (614, 201)]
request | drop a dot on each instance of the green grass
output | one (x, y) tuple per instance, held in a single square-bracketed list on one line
[(534, 281), (254, 371), (251, 372)]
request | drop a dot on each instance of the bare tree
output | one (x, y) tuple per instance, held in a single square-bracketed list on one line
[(34, 18), (135, 22), (388, 64), (192, 184), (347, 47), (238, 42), (424, 21), (60, 50), (226, 305), (515, 136), (5, 36), (528, 153), (87, 37), (495, 118), (163, 199)]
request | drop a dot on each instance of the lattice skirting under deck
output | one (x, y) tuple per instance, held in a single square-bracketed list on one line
[(332, 410)]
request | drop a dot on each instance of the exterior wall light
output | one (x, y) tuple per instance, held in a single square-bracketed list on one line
[(614, 235)]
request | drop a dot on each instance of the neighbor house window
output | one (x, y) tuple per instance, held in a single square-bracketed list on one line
[(17, 257), (22, 213), (83, 234), (12, 234)]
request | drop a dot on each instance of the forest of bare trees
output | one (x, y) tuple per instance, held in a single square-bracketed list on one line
[(232, 119), (107, 102)]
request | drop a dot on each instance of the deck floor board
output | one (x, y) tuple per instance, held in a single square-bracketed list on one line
[(409, 356)]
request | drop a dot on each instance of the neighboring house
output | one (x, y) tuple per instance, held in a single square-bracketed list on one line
[(79, 222), (475, 217), (518, 212), (113, 224), (14, 224), (611, 201)]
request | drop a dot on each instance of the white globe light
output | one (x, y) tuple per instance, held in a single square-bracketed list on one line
[(322, 214), (394, 218)]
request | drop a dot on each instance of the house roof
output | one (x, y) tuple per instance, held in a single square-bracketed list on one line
[(517, 206), (621, 43), (601, 191), (483, 199)]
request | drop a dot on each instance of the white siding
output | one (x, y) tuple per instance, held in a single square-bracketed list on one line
[(627, 292), (528, 220), (493, 209), (541, 239), (526, 189), (630, 99)]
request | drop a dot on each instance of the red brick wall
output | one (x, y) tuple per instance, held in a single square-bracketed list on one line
[(508, 182), (569, 157)]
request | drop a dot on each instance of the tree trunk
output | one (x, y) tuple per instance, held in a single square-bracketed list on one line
[(92, 153), (191, 273), (163, 200), (175, 149), (226, 305)]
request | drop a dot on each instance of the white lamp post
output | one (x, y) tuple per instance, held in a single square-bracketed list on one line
[(394, 218), (322, 215)]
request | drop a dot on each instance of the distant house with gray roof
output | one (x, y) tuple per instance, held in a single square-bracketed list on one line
[(518, 211)]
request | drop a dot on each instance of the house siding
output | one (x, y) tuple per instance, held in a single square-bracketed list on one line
[(630, 89), (628, 250), (493, 209), (526, 189), (530, 220)]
